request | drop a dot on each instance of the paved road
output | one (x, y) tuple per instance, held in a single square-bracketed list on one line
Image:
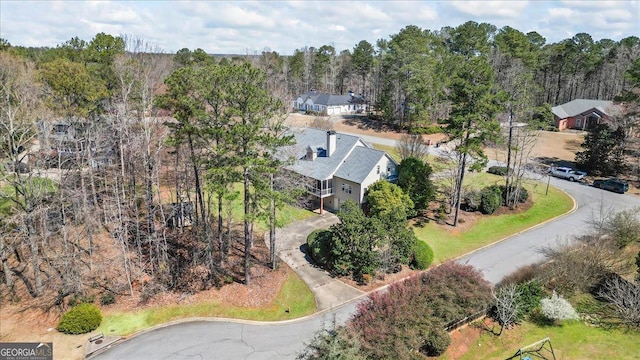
[(232, 339), (502, 258)]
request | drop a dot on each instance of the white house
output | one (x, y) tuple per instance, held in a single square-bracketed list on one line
[(340, 167), (329, 104)]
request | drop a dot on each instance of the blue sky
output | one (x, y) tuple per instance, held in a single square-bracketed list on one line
[(240, 27)]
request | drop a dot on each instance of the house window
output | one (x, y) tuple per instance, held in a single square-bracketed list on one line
[(388, 169), (378, 169), (578, 122), (346, 188)]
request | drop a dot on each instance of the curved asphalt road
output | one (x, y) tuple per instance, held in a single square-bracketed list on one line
[(233, 339)]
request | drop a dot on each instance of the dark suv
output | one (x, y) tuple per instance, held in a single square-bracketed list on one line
[(615, 185)]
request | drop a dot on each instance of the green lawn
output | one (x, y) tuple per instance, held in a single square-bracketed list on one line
[(7, 191), (437, 163), (284, 216), (573, 340), (447, 242), (294, 296)]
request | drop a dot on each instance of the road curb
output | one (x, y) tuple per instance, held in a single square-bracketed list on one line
[(573, 209)]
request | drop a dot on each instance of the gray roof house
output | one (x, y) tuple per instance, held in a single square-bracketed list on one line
[(339, 167), (582, 113), (330, 104)]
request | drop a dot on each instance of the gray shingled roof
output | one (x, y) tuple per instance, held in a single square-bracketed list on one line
[(323, 167), (331, 100), (359, 164), (579, 106)]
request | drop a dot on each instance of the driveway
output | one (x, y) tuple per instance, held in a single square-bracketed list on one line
[(235, 339), (328, 291)]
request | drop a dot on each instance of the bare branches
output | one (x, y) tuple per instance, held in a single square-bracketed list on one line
[(508, 305), (412, 145), (625, 298)]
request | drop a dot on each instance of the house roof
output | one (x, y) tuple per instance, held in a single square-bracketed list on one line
[(359, 164), (330, 99), (352, 159), (580, 106)]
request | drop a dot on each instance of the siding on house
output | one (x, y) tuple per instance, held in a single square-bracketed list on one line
[(352, 167), (330, 104)]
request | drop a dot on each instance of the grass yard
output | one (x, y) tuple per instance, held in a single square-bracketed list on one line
[(36, 184), (294, 296), (437, 163), (284, 216), (448, 242), (573, 340)]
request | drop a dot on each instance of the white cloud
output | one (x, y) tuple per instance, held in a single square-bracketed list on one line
[(236, 27), (507, 9)]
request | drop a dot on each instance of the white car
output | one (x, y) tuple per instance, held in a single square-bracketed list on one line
[(567, 173)]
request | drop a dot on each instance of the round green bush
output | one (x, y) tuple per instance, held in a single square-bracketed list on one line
[(491, 199), (422, 255), (318, 245), (436, 343), (80, 319)]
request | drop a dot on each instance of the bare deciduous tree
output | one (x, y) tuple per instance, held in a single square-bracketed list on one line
[(625, 297), (412, 145), (508, 305)]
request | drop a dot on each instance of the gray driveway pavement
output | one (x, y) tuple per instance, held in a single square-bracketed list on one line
[(329, 292)]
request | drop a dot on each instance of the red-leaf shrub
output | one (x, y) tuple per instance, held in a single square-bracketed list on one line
[(412, 314)]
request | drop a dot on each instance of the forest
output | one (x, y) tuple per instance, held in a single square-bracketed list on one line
[(120, 163)]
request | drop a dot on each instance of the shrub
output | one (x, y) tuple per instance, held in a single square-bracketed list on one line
[(80, 319), (491, 199), (422, 255), (437, 343), (582, 264), (395, 323), (335, 343), (472, 200), (107, 298), (522, 194), (624, 227), (531, 293), (557, 308), (522, 274), (442, 213), (498, 170), (318, 245), (80, 299), (624, 298)]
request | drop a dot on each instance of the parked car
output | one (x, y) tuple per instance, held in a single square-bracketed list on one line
[(615, 185), (567, 173)]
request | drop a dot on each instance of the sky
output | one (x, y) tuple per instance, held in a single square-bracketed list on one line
[(247, 27)]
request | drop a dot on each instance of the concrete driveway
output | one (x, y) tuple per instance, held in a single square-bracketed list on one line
[(329, 292)]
